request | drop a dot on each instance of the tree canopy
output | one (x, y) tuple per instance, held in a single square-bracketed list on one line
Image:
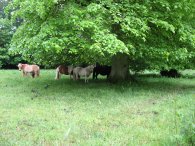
[(154, 34)]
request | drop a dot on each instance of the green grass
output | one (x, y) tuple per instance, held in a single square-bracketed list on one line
[(43, 111)]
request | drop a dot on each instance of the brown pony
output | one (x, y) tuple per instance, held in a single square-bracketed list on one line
[(34, 70), (67, 70)]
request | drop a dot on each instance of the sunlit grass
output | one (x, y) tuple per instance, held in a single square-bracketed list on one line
[(44, 111)]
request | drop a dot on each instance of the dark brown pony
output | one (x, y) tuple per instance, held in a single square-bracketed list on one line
[(102, 70), (62, 69)]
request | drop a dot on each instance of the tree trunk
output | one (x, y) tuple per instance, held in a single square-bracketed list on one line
[(120, 68)]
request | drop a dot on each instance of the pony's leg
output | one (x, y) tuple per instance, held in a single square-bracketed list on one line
[(57, 74), (93, 74), (86, 78), (74, 76), (23, 73), (37, 73), (33, 74)]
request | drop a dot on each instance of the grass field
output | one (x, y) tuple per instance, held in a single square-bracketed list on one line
[(43, 111)]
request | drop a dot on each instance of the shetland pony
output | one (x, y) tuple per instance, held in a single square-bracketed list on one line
[(34, 70), (80, 71), (67, 70), (101, 69), (172, 73)]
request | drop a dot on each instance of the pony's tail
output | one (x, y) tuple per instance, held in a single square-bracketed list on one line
[(57, 74)]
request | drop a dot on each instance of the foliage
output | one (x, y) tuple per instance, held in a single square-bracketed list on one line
[(3, 56), (7, 30), (154, 34), (3, 4), (6, 33)]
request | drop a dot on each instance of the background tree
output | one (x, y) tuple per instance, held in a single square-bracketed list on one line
[(7, 30), (5, 37), (126, 33)]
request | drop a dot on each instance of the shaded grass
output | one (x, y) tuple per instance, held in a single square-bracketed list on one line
[(44, 111)]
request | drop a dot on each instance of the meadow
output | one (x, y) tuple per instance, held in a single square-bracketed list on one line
[(43, 111)]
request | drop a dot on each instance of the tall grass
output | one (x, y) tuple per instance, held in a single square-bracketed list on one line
[(44, 111)]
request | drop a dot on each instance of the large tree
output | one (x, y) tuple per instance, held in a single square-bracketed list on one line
[(126, 33)]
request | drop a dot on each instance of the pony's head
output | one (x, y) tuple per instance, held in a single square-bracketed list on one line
[(20, 66), (91, 67)]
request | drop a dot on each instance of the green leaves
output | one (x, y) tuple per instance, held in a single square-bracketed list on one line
[(6, 32), (106, 42), (164, 25), (134, 27), (154, 34), (3, 56)]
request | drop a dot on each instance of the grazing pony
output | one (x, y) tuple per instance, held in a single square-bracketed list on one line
[(101, 69), (67, 70), (80, 71), (172, 73), (34, 70)]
